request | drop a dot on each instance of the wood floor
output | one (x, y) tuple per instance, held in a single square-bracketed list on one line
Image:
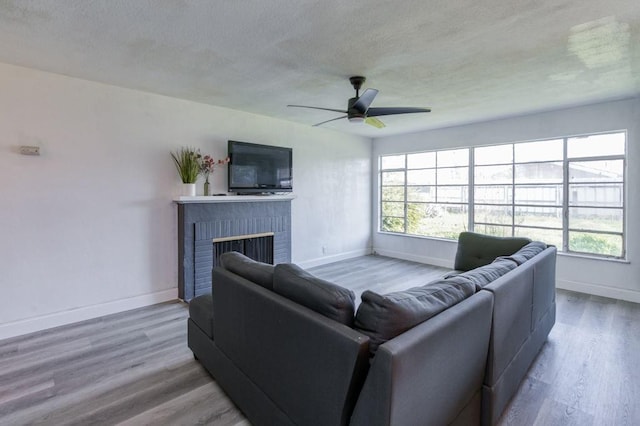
[(134, 368)]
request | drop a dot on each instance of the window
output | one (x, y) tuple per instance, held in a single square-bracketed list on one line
[(595, 177), (425, 193), (518, 190), (568, 192)]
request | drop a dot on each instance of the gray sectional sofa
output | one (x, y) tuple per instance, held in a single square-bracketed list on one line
[(291, 349)]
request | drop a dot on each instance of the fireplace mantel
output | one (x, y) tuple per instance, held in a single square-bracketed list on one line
[(232, 198), (202, 219)]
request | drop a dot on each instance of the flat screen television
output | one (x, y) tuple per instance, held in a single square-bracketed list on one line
[(256, 169)]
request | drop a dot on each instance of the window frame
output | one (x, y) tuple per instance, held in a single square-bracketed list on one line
[(565, 188), (436, 167)]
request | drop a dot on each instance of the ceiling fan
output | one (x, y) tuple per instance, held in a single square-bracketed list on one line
[(358, 109)]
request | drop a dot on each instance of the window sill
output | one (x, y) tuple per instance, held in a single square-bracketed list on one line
[(599, 258), (560, 253), (420, 237)]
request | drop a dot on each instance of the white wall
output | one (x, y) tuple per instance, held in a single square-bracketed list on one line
[(600, 277), (89, 228)]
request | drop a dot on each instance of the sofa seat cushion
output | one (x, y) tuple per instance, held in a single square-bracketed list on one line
[(385, 316), (475, 250), (257, 272), (328, 299), (484, 275), (201, 312), (527, 252)]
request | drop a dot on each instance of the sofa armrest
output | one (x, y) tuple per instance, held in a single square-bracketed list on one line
[(308, 365), (430, 373)]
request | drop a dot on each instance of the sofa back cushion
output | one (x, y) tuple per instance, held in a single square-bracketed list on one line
[(257, 272), (383, 317), (475, 250), (527, 252), (326, 298), (484, 275)]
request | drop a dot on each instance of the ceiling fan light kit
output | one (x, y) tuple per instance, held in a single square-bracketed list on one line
[(358, 108)]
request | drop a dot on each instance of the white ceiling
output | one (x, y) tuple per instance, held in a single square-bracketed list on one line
[(468, 60)]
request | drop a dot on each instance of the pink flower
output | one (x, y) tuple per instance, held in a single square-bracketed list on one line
[(208, 164)]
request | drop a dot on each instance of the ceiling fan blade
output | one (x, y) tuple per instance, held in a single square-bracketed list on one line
[(333, 119), (323, 109), (372, 121), (363, 102), (375, 112)]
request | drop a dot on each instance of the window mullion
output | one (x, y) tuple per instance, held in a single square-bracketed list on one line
[(624, 205), (565, 196), (513, 190), (471, 191), (406, 190)]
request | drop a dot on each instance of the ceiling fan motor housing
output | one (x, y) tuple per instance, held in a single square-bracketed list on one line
[(352, 113)]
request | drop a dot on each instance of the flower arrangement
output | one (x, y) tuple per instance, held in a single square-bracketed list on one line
[(187, 161), (208, 164)]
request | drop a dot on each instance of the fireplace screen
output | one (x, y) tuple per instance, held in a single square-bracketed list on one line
[(258, 247)]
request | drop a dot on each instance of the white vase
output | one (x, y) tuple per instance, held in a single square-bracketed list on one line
[(189, 189)]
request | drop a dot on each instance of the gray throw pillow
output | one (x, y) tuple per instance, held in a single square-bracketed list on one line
[(328, 299), (385, 316), (257, 272), (484, 275), (526, 252)]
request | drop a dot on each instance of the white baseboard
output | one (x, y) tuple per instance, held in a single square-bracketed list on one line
[(445, 263), (600, 290), (31, 325), (333, 258)]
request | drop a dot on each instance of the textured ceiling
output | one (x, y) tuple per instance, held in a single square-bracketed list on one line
[(467, 60)]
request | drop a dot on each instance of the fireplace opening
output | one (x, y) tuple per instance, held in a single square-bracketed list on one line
[(258, 247)]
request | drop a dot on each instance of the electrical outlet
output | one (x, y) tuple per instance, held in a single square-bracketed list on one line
[(29, 150)]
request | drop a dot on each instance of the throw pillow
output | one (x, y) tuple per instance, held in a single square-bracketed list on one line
[(257, 272), (486, 274), (383, 317), (526, 252), (328, 299)]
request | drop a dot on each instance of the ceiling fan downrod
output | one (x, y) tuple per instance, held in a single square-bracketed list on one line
[(357, 81)]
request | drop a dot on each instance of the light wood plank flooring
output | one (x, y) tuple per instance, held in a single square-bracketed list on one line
[(134, 368)]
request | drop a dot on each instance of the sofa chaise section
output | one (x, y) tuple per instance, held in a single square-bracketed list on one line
[(524, 307), (524, 314), (280, 362)]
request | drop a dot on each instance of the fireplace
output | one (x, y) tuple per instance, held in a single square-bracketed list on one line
[(228, 219)]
